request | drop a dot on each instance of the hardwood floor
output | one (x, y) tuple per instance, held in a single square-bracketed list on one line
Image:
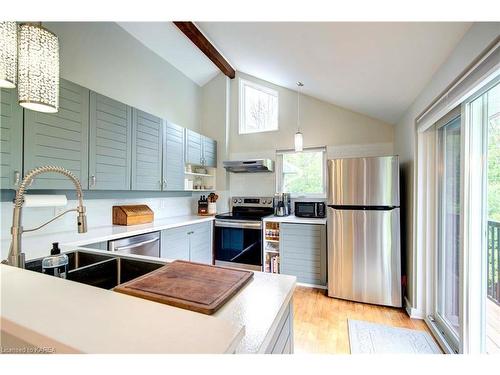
[(320, 322)]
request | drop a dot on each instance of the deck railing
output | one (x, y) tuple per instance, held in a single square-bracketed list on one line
[(493, 261)]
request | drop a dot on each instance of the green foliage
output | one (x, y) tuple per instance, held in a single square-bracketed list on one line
[(494, 154), (303, 173)]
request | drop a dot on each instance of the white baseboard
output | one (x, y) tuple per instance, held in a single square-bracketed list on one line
[(412, 312)]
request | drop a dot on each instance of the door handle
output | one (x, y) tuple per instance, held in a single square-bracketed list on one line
[(133, 246), (164, 183), (92, 181)]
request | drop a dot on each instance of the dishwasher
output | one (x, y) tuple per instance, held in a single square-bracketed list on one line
[(143, 244)]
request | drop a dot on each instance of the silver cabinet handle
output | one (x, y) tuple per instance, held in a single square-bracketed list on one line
[(92, 181), (136, 244), (17, 178)]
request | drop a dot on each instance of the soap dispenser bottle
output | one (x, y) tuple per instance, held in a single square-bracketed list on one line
[(56, 264)]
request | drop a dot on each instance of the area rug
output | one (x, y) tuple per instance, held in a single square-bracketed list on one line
[(365, 338)]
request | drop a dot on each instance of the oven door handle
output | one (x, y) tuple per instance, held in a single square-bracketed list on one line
[(246, 250), (235, 224)]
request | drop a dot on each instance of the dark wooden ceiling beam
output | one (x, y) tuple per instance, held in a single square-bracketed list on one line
[(196, 36)]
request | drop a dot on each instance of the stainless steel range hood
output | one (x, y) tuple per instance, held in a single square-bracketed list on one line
[(249, 166)]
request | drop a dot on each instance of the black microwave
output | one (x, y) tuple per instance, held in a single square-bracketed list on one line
[(310, 209)]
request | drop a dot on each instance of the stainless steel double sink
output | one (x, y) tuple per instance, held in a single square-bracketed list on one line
[(99, 270)]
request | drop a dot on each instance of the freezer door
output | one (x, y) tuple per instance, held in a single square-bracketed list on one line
[(364, 181), (364, 260)]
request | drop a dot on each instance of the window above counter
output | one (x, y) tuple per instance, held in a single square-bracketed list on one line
[(302, 174)]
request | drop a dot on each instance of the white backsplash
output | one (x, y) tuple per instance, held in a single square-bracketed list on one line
[(99, 212)]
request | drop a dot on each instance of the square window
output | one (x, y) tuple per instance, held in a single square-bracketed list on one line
[(302, 174), (258, 108)]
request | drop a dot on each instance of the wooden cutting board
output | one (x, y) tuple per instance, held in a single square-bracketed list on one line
[(192, 286)]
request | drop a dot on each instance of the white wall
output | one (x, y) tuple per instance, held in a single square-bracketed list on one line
[(214, 124), (322, 123), (479, 36), (344, 132), (105, 58)]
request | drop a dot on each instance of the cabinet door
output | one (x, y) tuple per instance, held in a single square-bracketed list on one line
[(209, 152), (173, 159), (194, 147), (11, 133), (110, 144), (146, 151), (175, 244), (59, 139), (200, 243), (303, 252)]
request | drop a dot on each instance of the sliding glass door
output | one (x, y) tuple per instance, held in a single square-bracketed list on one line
[(447, 291)]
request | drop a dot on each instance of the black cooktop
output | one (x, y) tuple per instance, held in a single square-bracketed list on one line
[(246, 213), (241, 216)]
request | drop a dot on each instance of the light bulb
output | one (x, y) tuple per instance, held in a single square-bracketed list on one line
[(299, 142)]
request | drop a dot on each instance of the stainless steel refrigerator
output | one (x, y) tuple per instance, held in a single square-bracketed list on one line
[(364, 249)]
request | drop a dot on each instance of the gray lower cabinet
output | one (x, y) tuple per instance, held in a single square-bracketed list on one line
[(59, 138), (147, 133), (200, 243), (282, 340), (175, 243), (194, 147), (110, 155), (303, 252), (189, 242), (173, 157), (209, 157), (11, 139)]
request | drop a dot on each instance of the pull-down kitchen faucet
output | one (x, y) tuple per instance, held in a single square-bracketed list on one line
[(16, 256)]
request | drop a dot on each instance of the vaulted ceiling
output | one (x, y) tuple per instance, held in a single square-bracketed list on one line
[(377, 69)]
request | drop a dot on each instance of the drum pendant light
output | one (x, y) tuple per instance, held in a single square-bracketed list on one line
[(299, 139), (38, 70), (8, 54)]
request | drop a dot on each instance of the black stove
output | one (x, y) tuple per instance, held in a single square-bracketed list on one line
[(238, 234), (248, 208)]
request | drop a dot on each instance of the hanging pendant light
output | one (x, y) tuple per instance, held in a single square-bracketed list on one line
[(8, 54), (38, 71), (299, 139)]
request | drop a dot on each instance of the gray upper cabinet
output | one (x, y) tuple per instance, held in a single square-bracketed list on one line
[(147, 133), (303, 252), (200, 150), (209, 157), (194, 147), (110, 155), (11, 133), (173, 157), (59, 138)]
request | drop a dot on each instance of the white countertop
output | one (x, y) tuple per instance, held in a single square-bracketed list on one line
[(49, 312), (258, 307), (39, 245), (295, 220)]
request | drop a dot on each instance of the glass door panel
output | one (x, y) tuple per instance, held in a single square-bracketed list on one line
[(448, 257)]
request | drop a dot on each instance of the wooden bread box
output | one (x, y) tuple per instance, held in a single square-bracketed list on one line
[(132, 214)]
